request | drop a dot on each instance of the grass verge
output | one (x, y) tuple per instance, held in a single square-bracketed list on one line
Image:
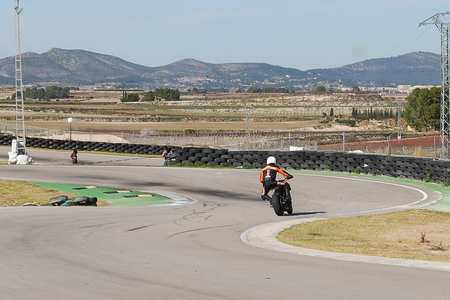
[(18, 193), (422, 234), (413, 234)]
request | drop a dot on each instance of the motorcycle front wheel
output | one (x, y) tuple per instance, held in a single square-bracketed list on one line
[(277, 205), (289, 209)]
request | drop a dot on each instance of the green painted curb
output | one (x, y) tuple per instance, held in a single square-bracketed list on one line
[(114, 196)]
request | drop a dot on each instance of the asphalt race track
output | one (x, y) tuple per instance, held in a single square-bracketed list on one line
[(192, 251)]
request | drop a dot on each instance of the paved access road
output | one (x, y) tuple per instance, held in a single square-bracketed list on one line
[(192, 251)]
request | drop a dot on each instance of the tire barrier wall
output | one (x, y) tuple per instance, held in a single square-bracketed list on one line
[(417, 168), (5, 140)]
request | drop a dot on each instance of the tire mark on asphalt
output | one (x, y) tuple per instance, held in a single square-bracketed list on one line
[(201, 229)]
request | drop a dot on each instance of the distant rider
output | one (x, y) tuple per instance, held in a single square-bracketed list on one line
[(268, 177), (74, 157), (167, 154)]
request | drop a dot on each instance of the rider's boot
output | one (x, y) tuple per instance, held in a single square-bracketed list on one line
[(265, 198)]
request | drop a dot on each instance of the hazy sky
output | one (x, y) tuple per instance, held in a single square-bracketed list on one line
[(301, 34)]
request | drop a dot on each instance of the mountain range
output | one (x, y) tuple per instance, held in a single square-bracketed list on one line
[(79, 68)]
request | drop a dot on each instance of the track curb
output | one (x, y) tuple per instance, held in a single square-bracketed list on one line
[(264, 236)]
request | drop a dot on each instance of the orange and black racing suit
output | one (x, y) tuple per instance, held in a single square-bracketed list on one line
[(268, 177)]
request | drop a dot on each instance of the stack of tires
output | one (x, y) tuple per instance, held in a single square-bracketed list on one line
[(5, 140), (76, 201)]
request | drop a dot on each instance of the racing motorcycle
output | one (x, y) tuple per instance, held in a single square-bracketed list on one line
[(281, 198)]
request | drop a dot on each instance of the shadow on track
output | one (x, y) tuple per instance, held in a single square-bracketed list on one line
[(308, 213)]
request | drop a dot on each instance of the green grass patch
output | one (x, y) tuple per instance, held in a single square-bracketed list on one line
[(17, 193), (413, 234)]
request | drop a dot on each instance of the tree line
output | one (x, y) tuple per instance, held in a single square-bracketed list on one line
[(372, 114), (156, 95), (423, 109), (256, 90), (55, 92), (48, 93)]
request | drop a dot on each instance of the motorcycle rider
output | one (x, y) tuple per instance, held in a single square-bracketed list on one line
[(268, 177)]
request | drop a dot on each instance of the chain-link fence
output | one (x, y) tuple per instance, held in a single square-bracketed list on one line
[(383, 142), (423, 146), (216, 139)]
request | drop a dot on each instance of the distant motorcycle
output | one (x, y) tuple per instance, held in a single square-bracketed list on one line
[(281, 198)]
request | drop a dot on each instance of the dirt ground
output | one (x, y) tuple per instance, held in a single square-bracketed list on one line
[(100, 116)]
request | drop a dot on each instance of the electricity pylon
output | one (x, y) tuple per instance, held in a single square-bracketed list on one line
[(20, 120), (445, 80), (18, 153)]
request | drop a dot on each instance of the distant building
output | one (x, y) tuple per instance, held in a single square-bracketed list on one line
[(409, 88)]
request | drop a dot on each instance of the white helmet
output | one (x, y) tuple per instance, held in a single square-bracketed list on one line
[(271, 160)]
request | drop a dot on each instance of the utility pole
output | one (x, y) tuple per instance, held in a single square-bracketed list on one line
[(445, 80), (249, 109), (399, 118)]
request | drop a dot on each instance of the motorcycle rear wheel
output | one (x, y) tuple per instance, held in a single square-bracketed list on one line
[(277, 205)]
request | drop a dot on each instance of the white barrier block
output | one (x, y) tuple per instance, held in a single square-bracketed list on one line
[(12, 158)]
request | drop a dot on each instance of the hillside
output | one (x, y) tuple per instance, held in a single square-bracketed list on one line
[(413, 68), (80, 67), (72, 66)]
